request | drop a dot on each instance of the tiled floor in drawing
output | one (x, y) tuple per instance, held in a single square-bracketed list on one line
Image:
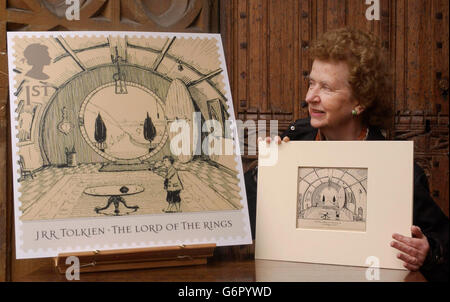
[(58, 193)]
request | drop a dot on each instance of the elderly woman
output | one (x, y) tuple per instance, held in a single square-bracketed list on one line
[(349, 99)]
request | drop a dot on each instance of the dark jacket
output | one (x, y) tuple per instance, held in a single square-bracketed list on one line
[(426, 213)]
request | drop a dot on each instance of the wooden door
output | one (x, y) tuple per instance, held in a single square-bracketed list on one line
[(266, 45), (100, 15)]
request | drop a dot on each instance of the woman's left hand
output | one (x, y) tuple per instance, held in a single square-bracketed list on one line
[(414, 249)]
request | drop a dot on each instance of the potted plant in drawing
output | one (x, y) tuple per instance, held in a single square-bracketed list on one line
[(100, 133), (71, 157), (149, 131)]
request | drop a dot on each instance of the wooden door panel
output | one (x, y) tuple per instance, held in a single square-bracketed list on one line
[(266, 46)]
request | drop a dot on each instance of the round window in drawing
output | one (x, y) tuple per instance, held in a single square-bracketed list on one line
[(123, 126)]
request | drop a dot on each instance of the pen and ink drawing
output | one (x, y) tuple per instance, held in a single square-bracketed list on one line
[(94, 121), (332, 198)]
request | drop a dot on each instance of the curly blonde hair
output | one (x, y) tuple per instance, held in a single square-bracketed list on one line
[(369, 77)]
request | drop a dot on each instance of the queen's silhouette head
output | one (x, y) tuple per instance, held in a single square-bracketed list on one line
[(37, 56)]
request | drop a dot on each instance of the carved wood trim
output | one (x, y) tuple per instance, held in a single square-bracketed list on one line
[(133, 15)]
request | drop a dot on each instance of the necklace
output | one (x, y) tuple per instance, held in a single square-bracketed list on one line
[(362, 135)]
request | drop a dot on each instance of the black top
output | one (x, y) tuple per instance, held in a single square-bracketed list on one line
[(426, 213)]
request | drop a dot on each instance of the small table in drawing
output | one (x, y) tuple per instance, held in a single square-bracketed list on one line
[(115, 194)]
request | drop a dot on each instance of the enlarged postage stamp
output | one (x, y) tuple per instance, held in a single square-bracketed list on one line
[(121, 140)]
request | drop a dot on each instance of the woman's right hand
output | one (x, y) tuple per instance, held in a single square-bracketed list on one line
[(277, 139)]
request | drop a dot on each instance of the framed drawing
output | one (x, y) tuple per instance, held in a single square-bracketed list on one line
[(335, 202), (332, 198), (109, 148)]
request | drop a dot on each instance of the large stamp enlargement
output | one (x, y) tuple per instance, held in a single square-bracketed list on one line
[(118, 141)]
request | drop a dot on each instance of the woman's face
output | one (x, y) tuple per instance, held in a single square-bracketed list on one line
[(329, 97)]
